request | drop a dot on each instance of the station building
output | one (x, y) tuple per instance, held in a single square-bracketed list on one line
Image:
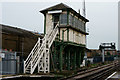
[(15, 45)]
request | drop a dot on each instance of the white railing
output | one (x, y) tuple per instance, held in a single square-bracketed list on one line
[(27, 62), (52, 36), (40, 53)]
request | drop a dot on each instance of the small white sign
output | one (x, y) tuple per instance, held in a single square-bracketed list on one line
[(56, 11), (2, 55)]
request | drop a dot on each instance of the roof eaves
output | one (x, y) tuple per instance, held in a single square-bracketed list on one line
[(55, 7)]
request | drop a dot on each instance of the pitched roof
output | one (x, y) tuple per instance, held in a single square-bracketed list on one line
[(60, 6), (18, 31)]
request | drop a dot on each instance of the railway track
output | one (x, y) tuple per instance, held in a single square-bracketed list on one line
[(99, 73)]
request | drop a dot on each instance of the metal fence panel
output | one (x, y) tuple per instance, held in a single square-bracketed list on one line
[(8, 63)]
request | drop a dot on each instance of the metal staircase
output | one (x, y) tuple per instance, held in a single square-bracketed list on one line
[(39, 56)]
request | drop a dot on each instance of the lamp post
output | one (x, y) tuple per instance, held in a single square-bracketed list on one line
[(103, 56)]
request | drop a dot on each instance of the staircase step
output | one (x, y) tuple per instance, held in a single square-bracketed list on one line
[(28, 70)]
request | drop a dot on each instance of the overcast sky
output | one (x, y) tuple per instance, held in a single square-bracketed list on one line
[(103, 25)]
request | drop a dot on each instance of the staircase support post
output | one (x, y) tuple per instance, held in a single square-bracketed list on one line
[(31, 67), (48, 66), (38, 67), (24, 67), (45, 62), (45, 56)]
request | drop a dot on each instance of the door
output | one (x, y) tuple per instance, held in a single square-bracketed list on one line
[(55, 19)]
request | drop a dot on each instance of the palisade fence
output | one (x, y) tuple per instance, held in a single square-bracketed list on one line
[(8, 63), (98, 59)]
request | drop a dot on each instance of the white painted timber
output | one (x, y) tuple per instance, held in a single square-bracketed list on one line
[(39, 56)]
